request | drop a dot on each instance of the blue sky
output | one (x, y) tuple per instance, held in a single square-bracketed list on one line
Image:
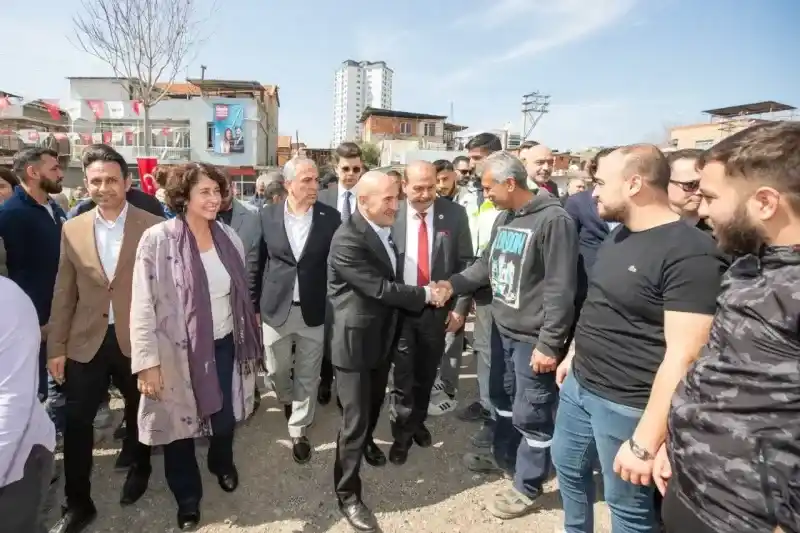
[(617, 70)]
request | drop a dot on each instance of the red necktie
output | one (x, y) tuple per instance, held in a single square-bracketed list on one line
[(423, 260)]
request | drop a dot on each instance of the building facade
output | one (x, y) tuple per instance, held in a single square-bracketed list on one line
[(386, 125), (29, 124), (357, 86), (183, 126)]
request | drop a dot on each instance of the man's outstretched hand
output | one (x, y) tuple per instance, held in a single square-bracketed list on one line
[(441, 292)]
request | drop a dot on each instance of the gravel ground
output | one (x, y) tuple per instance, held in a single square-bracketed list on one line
[(432, 493)]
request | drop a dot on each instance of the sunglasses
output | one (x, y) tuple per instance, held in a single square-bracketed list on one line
[(355, 170), (463, 171), (687, 186)]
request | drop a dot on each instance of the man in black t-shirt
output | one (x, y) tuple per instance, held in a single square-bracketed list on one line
[(648, 310)]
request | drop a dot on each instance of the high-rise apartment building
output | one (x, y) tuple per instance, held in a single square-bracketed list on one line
[(358, 85)]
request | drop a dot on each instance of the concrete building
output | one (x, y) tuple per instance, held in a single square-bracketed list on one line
[(726, 121), (181, 125), (29, 124), (357, 86)]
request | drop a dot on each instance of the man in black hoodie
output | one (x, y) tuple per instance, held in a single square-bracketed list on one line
[(531, 265)]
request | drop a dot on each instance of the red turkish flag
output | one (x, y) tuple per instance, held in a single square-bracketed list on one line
[(55, 112), (128, 138), (146, 167), (96, 106), (106, 137), (136, 106), (4, 103)]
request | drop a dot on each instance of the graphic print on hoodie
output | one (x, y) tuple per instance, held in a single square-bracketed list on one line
[(506, 259)]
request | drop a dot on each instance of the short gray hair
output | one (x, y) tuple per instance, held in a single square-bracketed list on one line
[(504, 165), (269, 177), (290, 168)]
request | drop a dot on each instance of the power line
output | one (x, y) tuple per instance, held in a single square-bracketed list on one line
[(534, 106)]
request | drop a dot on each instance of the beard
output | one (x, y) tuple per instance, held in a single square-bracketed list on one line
[(617, 214), (738, 236), (50, 186)]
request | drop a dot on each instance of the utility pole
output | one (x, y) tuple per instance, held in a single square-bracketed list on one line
[(534, 107), (203, 72)]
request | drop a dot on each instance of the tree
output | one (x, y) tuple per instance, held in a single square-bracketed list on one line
[(145, 42), (370, 154)]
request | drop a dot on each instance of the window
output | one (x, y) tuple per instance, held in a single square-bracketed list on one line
[(210, 136), (405, 128), (704, 144), (430, 129)]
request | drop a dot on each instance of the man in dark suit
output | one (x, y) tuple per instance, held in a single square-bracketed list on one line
[(341, 196), (365, 297), (433, 240), (295, 240), (135, 197)]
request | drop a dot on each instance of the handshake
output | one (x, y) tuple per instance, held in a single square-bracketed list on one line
[(441, 292)]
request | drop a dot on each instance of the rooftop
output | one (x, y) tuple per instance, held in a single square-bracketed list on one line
[(768, 106), (390, 113)]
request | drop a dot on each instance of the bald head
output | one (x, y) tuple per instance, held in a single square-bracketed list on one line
[(647, 161), (377, 198), (538, 162)]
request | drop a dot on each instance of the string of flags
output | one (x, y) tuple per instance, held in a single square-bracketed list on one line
[(74, 109)]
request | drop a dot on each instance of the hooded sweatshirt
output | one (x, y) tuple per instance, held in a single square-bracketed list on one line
[(531, 265)]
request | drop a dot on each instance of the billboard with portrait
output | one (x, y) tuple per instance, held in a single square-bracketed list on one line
[(228, 128)]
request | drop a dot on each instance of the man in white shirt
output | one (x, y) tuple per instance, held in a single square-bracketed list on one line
[(295, 240), (349, 169), (27, 436), (88, 343)]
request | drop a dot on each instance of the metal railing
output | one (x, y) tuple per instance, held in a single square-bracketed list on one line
[(163, 153)]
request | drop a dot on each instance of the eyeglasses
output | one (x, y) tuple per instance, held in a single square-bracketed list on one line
[(355, 170), (687, 186)]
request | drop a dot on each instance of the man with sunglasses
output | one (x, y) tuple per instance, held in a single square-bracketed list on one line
[(349, 168), (684, 187)]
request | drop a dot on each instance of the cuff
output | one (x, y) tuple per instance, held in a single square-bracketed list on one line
[(548, 351), (428, 294)]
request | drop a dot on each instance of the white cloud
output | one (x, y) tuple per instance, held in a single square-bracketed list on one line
[(552, 25)]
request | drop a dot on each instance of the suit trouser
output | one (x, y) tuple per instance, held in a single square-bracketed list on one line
[(525, 404), (326, 368), (362, 393), (294, 379), (22, 502), (416, 361), (180, 463), (86, 385)]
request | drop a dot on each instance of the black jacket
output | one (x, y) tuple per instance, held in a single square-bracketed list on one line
[(279, 269), (365, 297)]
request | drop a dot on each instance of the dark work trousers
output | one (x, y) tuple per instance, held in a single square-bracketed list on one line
[(86, 385), (22, 502), (180, 463), (326, 370), (525, 404), (678, 517), (416, 361), (362, 394)]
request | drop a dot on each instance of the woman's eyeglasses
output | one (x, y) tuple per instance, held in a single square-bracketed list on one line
[(687, 186)]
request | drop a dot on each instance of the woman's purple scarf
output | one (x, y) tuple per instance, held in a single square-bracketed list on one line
[(196, 301)]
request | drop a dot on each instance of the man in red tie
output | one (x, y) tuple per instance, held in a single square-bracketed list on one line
[(433, 241)]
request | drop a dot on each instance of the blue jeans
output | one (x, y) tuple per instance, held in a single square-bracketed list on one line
[(589, 427), (524, 403), (50, 393)]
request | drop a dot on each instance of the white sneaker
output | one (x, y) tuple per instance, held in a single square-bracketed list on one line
[(442, 406), (438, 386)]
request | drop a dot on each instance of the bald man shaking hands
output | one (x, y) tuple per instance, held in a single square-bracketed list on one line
[(366, 296)]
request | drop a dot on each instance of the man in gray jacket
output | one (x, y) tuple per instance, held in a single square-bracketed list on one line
[(531, 265)]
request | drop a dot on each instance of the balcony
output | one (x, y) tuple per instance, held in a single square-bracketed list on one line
[(164, 154)]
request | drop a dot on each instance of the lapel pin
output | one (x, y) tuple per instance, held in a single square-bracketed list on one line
[(441, 217)]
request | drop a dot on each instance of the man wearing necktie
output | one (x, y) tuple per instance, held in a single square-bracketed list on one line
[(434, 242), (365, 294), (349, 168)]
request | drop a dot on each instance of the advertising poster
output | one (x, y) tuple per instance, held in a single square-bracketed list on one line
[(229, 128)]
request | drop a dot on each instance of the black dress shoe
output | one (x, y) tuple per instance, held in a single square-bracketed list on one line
[(373, 455), (188, 517), (423, 437), (229, 482), (398, 454), (324, 394), (287, 411), (301, 450), (135, 485), (125, 460), (75, 520), (359, 516)]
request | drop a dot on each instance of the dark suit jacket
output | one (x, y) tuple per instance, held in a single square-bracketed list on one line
[(365, 297), (137, 198), (592, 230), (452, 245), (281, 269)]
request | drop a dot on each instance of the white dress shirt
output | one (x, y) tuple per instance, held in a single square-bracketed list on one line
[(23, 420), (297, 229), (340, 199), (411, 261), (385, 235), (219, 288), (108, 237)]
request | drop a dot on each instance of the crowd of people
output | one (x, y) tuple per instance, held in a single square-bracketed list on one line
[(673, 278)]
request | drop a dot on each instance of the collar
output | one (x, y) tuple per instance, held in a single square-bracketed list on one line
[(120, 220), (411, 213), (341, 191), (309, 212), (383, 233)]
